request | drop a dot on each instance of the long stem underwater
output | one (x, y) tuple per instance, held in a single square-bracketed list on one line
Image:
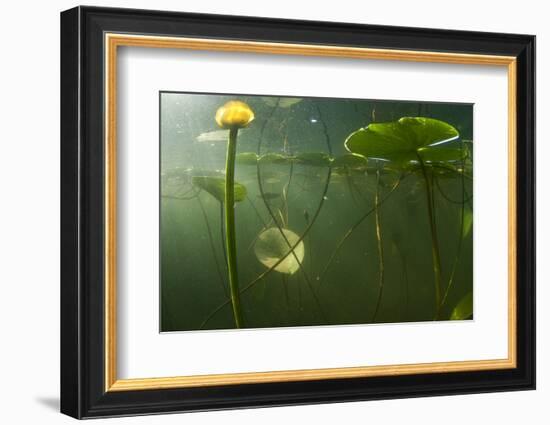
[(436, 258), (230, 233), (459, 247), (292, 252), (279, 261), (222, 233), (353, 228), (211, 240), (379, 245)]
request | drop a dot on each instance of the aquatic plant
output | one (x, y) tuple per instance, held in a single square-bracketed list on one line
[(466, 219), (281, 102), (246, 158), (271, 246), (274, 158), (369, 247), (216, 186), (314, 159), (349, 161), (464, 309), (233, 116), (354, 227), (212, 136), (291, 257), (212, 247), (413, 142), (379, 246), (291, 249)]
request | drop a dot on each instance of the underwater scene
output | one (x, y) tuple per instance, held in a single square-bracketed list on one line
[(287, 211)]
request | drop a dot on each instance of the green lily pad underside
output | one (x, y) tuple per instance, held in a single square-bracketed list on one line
[(445, 170), (467, 222), (464, 309), (314, 159), (408, 139), (246, 158), (272, 247), (215, 186), (274, 158), (350, 161)]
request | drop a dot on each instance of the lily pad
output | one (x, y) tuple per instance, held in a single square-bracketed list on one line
[(443, 170), (271, 246), (213, 136), (282, 102), (273, 158), (215, 186), (246, 158), (314, 159), (442, 154), (270, 196), (467, 222), (405, 140), (351, 161), (464, 309)]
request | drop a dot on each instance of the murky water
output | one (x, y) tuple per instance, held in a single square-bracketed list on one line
[(322, 238)]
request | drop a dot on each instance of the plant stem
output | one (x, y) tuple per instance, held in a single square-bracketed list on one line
[(230, 233), (379, 245), (436, 258), (459, 247), (350, 231), (405, 280), (292, 252), (279, 261), (211, 239), (222, 233)]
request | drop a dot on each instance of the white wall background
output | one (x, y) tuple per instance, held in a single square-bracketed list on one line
[(29, 213)]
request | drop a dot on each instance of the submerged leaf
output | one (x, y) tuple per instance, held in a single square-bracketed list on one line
[(404, 140), (246, 158), (270, 196), (427, 131), (215, 186), (314, 159), (443, 170), (282, 102), (464, 309), (213, 136), (442, 154), (271, 246), (467, 222), (273, 158), (350, 161)]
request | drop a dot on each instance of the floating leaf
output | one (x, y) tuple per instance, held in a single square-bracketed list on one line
[(351, 161), (177, 172), (213, 136), (443, 170), (216, 187), (467, 222), (271, 246), (464, 309), (403, 140), (246, 158), (282, 102), (314, 159), (187, 173), (270, 196), (442, 154), (273, 158)]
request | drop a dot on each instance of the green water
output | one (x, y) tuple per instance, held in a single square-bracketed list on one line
[(329, 286)]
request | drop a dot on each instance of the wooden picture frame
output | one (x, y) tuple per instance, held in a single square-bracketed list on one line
[(90, 40)]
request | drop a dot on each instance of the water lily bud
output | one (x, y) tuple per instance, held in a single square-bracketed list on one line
[(234, 114)]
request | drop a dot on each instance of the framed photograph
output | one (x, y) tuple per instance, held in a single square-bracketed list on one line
[(261, 212)]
